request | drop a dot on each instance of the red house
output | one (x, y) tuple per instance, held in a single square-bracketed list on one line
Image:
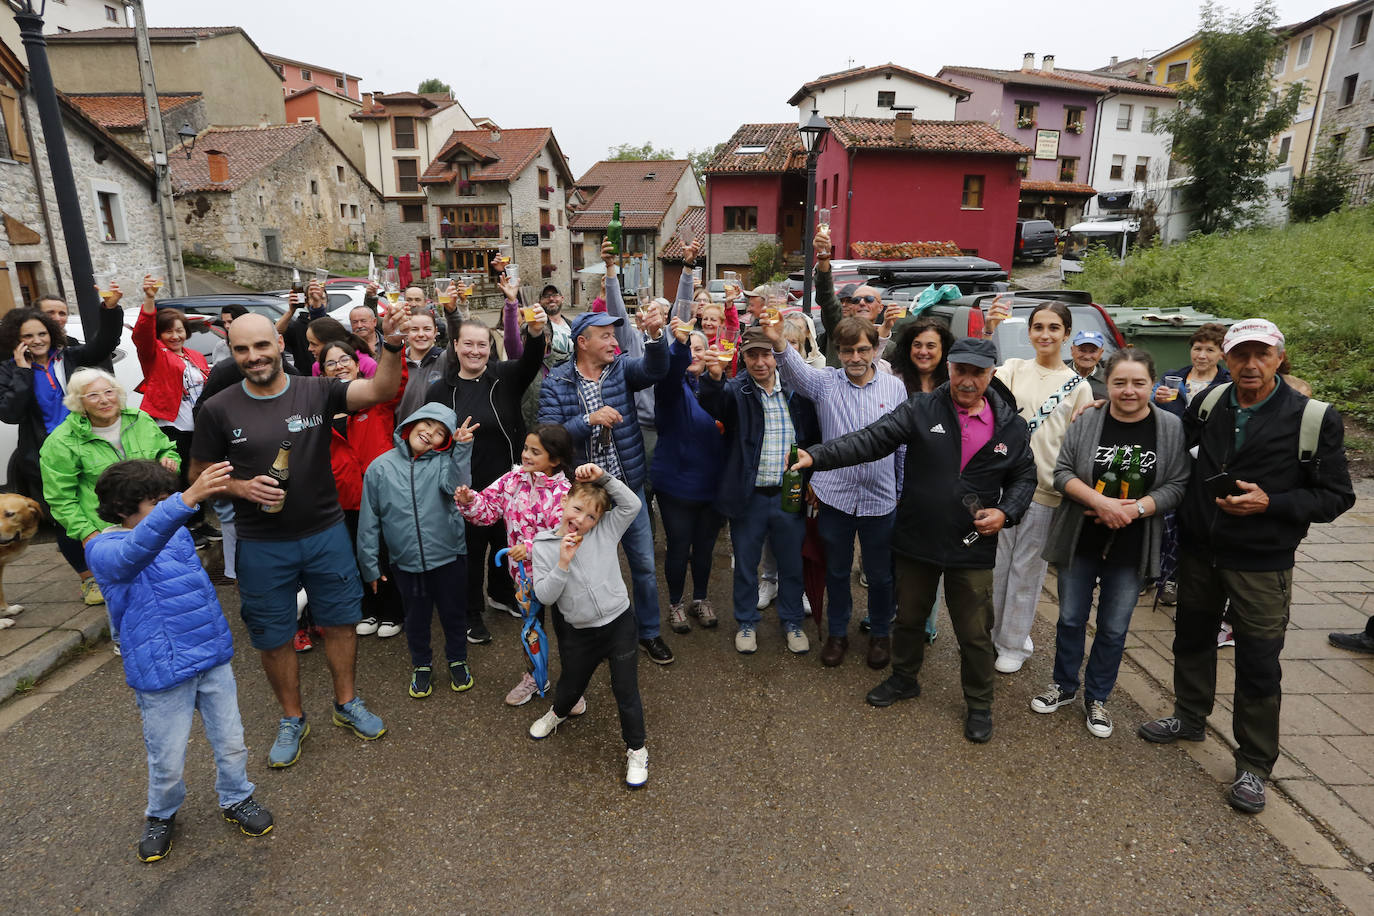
[(901, 180), (755, 193)]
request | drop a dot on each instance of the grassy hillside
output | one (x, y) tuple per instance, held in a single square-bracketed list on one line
[(1314, 280)]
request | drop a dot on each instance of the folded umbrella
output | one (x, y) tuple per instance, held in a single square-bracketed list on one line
[(813, 564), (532, 638)]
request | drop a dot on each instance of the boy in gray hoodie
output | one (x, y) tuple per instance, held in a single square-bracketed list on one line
[(577, 567)]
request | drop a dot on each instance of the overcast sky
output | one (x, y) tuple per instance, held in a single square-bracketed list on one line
[(601, 74)]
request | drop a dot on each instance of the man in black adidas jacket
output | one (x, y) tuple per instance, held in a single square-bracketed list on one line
[(952, 452), (1240, 547)]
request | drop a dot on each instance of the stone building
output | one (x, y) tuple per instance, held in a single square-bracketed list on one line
[(1347, 118), (267, 197), (125, 115), (332, 112)]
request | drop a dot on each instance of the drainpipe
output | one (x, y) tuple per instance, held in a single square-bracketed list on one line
[(1097, 135), (1317, 103)]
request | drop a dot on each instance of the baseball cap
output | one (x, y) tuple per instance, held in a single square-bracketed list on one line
[(755, 339), (847, 291), (760, 291), (973, 352), (1090, 337), (1259, 329), (593, 320)]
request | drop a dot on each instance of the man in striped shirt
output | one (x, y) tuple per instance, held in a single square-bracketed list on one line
[(860, 499)]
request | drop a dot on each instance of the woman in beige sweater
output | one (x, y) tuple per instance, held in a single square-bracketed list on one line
[(1048, 393)]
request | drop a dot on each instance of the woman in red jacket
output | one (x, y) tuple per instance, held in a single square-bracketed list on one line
[(173, 375)]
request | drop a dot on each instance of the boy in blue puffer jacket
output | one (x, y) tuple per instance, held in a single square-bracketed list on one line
[(175, 640), (408, 499)]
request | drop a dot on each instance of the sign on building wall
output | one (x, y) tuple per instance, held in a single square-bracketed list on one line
[(1047, 144), (529, 239)]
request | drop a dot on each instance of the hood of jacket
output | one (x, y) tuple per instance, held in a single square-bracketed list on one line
[(431, 411)]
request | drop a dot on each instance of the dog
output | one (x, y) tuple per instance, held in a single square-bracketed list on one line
[(19, 517)]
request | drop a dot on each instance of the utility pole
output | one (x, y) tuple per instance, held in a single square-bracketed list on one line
[(157, 143)]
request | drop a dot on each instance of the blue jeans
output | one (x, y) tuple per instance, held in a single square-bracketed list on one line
[(762, 518), (638, 543), (167, 727), (1120, 588), (875, 537)]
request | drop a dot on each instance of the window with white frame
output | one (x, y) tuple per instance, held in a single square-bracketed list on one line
[(111, 14), (1118, 167), (1148, 116), (1281, 59), (1142, 168), (109, 211), (1285, 148), (1305, 51), (1123, 116)]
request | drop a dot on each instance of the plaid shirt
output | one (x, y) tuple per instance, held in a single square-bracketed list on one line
[(601, 445), (778, 435)]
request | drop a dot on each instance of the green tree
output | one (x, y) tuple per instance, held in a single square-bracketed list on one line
[(765, 259), (627, 151), (434, 84), (1224, 122), (1322, 190), (700, 159)]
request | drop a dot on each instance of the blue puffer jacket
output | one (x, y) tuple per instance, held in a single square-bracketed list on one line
[(691, 444), (421, 523), (170, 624), (561, 402)]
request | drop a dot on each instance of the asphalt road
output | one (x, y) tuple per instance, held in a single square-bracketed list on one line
[(772, 788)]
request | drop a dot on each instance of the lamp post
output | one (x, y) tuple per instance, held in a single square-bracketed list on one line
[(28, 14), (811, 133)]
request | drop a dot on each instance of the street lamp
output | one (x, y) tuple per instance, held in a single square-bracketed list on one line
[(28, 15), (188, 138), (811, 133)]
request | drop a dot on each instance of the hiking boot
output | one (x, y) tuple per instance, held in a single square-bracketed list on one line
[(704, 613), (286, 750), (1247, 793), (1051, 698), (636, 767), (1098, 720), (797, 643), (90, 594), (746, 643), (156, 841), (251, 817), (421, 682), (1170, 729), (1168, 595), (521, 693), (677, 618), (893, 689), (978, 726), (478, 634), (546, 725), (355, 715), (460, 677)]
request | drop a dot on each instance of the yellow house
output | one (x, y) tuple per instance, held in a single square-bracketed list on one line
[(1175, 67), (1304, 57)]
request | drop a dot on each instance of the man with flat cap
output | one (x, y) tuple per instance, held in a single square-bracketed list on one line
[(969, 473)]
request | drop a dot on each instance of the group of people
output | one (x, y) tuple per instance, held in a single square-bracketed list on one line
[(369, 476)]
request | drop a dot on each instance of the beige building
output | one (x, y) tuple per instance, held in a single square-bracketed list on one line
[(1304, 57), (334, 113), (62, 16), (238, 83)]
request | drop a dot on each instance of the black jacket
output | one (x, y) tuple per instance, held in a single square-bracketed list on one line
[(1299, 494), (492, 400), (19, 406), (735, 403), (931, 518)]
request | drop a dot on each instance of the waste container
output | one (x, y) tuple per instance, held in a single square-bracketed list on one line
[(1163, 333)]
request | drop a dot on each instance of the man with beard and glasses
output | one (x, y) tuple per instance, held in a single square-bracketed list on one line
[(275, 430)]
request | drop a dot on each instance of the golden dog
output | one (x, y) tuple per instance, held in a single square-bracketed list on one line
[(19, 517)]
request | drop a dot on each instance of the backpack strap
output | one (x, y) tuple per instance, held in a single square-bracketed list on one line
[(1210, 401), (1313, 412)]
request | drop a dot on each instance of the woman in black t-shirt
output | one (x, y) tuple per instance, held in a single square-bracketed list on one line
[(1122, 468)]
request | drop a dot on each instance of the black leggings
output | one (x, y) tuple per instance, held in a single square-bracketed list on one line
[(181, 438), (690, 530), (582, 650)]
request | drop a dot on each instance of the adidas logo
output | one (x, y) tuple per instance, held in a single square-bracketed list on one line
[(938, 428)]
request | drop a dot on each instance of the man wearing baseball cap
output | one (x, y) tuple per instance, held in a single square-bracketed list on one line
[(1251, 497), (969, 473), (1087, 349)]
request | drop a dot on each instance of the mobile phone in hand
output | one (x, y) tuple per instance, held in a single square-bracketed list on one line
[(1223, 485)]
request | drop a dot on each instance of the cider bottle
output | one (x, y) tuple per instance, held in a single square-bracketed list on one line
[(614, 230), (791, 484), (280, 471)]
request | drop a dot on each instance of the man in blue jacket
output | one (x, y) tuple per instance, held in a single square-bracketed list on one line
[(592, 397)]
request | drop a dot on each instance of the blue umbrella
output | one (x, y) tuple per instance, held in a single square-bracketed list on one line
[(532, 636)]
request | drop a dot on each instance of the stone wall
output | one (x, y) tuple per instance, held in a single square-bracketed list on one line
[(730, 250)]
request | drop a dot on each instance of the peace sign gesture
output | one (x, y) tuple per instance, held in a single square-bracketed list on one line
[(464, 432)]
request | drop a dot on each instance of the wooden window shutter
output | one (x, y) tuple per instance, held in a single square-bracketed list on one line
[(14, 124)]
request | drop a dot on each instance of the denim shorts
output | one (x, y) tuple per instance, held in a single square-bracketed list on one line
[(270, 573)]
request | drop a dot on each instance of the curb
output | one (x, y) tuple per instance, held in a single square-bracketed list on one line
[(48, 652)]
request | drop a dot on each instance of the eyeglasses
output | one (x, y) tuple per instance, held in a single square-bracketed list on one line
[(338, 361), (855, 351), (94, 396)]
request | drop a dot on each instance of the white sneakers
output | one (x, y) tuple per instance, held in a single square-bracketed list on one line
[(520, 694), (746, 643), (388, 630), (636, 767), (366, 627), (1008, 665), (797, 643), (768, 590), (546, 724)]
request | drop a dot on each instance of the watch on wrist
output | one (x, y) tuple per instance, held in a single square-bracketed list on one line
[(1140, 509), (390, 347)]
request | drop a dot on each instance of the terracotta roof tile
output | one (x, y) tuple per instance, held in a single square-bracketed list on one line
[(782, 150), (250, 150), (644, 201), (1119, 83), (125, 110), (504, 158), (1070, 188), (191, 33), (432, 103), (844, 76), (926, 136), (693, 218)]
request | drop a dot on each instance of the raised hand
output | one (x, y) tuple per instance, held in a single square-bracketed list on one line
[(149, 288), (111, 299), (464, 431), (464, 496), (651, 319), (715, 363), (536, 325), (214, 479), (21, 355), (821, 244), (589, 472), (314, 295), (689, 254), (394, 321), (509, 288), (608, 254)]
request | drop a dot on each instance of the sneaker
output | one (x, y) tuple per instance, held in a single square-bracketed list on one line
[(704, 613), (1008, 665), (301, 642), (1355, 642), (658, 650), (522, 692), (797, 643), (460, 677), (768, 590), (806, 605), (546, 725), (421, 682), (1170, 729), (978, 726), (199, 539), (90, 593), (746, 643), (896, 687), (863, 579), (367, 626), (156, 841), (636, 767), (579, 708), (1168, 595), (1225, 637), (286, 750), (1247, 793), (210, 532), (387, 629), (495, 605), (114, 647), (1051, 698), (478, 634), (1099, 721), (866, 624), (677, 618), (365, 724), (252, 818)]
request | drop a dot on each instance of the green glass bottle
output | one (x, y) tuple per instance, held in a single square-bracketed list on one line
[(1132, 481), (791, 484), (1110, 481), (614, 229)]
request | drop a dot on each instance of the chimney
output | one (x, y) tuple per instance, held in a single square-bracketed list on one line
[(1028, 60), (1113, 63), (495, 136), (367, 101), (901, 127), (1047, 63), (219, 165)]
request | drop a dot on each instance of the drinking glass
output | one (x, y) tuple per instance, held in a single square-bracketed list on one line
[(1175, 384), (974, 505), (321, 276), (105, 279), (823, 219), (443, 290), (697, 277), (513, 273), (731, 285), (155, 271)]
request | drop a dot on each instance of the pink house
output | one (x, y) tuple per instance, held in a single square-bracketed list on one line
[(297, 75)]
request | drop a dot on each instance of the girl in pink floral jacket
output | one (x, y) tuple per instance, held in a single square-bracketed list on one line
[(530, 499)]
